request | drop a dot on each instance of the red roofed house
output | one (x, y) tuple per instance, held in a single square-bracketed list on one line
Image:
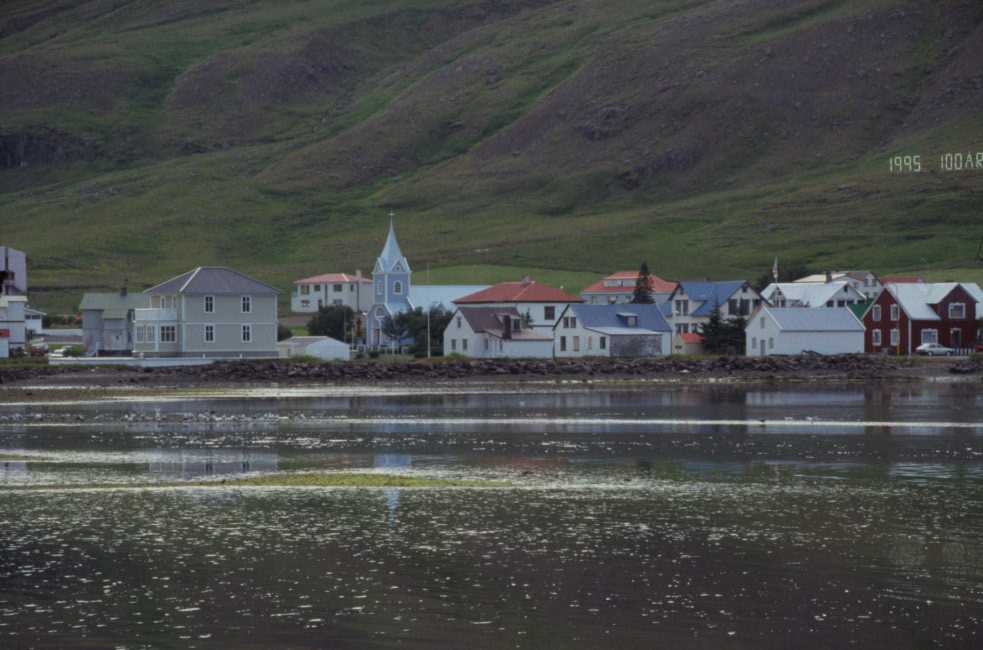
[(901, 279), (619, 288), (905, 316), (310, 294), (540, 303), (688, 343)]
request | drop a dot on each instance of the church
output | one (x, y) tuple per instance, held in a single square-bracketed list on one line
[(394, 292)]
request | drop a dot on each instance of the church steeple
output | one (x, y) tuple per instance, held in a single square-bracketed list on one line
[(391, 260)]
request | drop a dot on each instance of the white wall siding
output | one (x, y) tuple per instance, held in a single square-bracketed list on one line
[(777, 341)]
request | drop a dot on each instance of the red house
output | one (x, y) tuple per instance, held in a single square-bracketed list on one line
[(905, 316)]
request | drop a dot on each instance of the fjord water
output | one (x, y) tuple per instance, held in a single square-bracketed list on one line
[(635, 516)]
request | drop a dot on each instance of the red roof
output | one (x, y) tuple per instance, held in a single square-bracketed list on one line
[(525, 291), (901, 279), (656, 284), (328, 278), (691, 337)]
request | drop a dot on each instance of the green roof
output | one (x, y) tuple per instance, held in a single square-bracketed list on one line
[(860, 308), (114, 305)]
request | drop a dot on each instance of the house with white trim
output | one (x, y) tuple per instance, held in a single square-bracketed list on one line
[(208, 312), (539, 304), (620, 288), (689, 307), (813, 295), (331, 289), (794, 330), (907, 315), (615, 330), (866, 283), (494, 333)]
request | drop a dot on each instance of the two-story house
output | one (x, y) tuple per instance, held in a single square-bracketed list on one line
[(617, 330), (107, 321), (539, 304), (310, 294), (494, 332), (905, 316), (209, 312), (619, 288), (838, 293), (691, 304)]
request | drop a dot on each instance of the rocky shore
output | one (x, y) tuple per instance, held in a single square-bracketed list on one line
[(360, 372)]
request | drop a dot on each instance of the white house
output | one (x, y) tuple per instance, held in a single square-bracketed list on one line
[(13, 326), (34, 321), (539, 304), (320, 347), (616, 330), (620, 288), (310, 294), (793, 330), (838, 293), (691, 304), (865, 282), (494, 332)]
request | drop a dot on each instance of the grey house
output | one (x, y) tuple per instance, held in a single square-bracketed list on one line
[(210, 312), (107, 322)]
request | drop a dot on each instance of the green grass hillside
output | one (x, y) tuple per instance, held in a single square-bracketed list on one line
[(139, 138)]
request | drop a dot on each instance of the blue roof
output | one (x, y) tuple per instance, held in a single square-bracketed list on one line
[(613, 317), (711, 294)]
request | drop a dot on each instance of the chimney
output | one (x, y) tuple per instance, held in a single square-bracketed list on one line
[(358, 274), (829, 276), (506, 327)]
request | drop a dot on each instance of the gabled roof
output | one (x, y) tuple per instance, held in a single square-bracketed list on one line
[(525, 291), (797, 319), (613, 319), (426, 296), (915, 298), (809, 294), (837, 275), (491, 320), (691, 337), (711, 294), (213, 280), (114, 305), (656, 284), (329, 278)]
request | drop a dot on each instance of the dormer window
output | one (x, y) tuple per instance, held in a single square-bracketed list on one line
[(632, 321)]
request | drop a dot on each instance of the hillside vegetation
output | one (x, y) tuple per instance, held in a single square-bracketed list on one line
[(141, 138)]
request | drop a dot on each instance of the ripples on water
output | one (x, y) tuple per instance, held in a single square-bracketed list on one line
[(724, 539)]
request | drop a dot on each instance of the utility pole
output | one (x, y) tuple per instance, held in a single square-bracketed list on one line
[(429, 309)]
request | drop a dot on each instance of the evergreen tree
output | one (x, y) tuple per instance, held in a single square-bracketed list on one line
[(643, 290)]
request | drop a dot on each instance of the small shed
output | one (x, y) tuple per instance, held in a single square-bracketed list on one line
[(321, 347), (688, 343)]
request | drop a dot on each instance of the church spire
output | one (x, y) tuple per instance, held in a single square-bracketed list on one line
[(391, 259)]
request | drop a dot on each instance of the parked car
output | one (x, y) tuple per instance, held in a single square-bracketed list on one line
[(934, 350)]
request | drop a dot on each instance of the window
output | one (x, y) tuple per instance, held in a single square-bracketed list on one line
[(336, 301), (209, 304), (151, 334), (682, 307), (317, 288), (464, 344), (603, 342), (771, 343), (875, 338), (515, 324), (379, 287), (140, 333), (247, 304), (895, 312), (875, 313), (398, 288), (337, 288), (754, 342), (895, 337), (563, 344), (351, 288), (566, 323), (762, 322), (841, 303), (732, 305), (247, 333), (590, 342), (458, 322), (573, 321), (829, 303), (453, 344), (576, 344), (305, 289), (549, 312), (168, 333), (632, 321), (930, 336), (486, 345), (209, 333), (957, 311)]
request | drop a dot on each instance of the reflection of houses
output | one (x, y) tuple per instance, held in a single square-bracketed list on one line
[(792, 330), (905, 316), (620, 288), (212, 312), (339, 289), (494, 332), (107, 321), (186, 464), (394, 292), (617, 330)]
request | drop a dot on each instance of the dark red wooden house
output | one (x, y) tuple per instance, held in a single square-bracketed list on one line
[(905, 316)]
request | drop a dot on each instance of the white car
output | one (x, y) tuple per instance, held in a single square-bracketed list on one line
[(934, 350)]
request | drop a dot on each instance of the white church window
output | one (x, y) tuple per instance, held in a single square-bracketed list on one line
[(379, 287), (398, 288)]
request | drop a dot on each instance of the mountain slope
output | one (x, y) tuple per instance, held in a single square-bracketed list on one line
[(705, 136)]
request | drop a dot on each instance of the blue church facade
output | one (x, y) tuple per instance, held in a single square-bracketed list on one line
[(394, 293)]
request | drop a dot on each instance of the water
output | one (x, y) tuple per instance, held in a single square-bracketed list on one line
[(635, 516)]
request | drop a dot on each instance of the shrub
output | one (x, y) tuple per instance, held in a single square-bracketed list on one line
[(74, 351)]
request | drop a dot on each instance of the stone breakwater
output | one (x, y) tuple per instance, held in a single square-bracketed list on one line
[(266, 371)]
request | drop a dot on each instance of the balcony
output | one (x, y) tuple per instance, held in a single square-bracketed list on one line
[(154, 315)]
